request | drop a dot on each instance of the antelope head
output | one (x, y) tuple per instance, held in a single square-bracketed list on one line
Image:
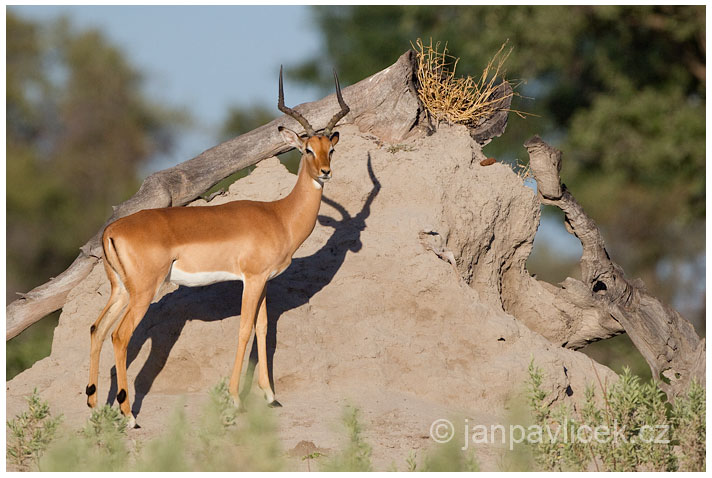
[(316, 148)]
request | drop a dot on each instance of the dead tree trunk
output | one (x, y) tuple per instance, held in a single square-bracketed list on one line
[(666, 340)]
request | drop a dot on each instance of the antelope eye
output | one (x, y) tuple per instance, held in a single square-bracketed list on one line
[(309, 151)]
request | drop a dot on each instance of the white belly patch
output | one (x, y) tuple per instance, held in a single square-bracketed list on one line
[(195, 279)]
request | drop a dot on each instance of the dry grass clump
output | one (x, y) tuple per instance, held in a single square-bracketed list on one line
[(523, 170), (460, 100)]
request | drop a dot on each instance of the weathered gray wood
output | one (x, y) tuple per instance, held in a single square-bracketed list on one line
[(668, 342), (496, 124), (566, 314)]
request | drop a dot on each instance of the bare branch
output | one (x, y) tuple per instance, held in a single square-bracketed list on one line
[(666, 340)]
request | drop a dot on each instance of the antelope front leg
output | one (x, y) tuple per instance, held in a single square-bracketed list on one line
[(261, 337), (253, 294)]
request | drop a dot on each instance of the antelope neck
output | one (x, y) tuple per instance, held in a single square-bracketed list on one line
[(301, 206)]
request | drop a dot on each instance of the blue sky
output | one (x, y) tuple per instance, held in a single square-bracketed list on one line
[(203, 59)]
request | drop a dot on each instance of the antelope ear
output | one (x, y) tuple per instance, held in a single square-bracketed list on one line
[(334, 138), (291, 138)]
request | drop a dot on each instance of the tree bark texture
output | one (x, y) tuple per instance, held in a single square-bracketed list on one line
[(667, 341)]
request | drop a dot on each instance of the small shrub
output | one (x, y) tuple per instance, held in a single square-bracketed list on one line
[(633, 430), (689, 429), (100, 446), (356, 456), (253, 441), (446, 457), (411, 462), (105, 425), (311, 456), (168, 452), (222, 405), (31, 432), (222, 440)]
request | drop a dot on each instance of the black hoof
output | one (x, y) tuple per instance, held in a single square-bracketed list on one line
[(274, 404)]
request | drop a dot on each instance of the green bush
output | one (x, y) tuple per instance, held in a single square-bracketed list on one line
[(689, 430), (30, 433), (447, 456), (630, 428), (645, 433), (356, 456), (221, 441), (100, 446)]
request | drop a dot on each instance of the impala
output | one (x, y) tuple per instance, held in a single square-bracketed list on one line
[(243, 240)]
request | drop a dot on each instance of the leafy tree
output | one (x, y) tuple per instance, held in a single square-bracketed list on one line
[(79, 128), (620, 89), (241, 120)]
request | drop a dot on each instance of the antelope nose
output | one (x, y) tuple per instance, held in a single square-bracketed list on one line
[(326, 172)]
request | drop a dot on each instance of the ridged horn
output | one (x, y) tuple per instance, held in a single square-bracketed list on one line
[(344, 108), (289, 111)]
